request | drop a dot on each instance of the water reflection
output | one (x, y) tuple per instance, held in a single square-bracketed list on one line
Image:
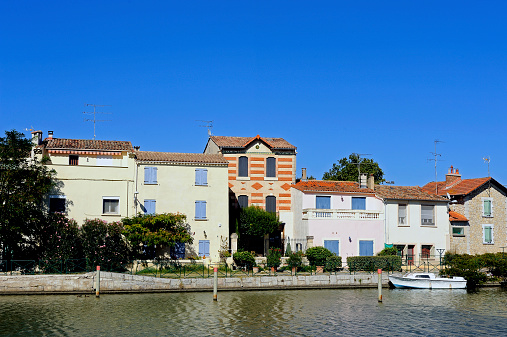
[(269, 313)]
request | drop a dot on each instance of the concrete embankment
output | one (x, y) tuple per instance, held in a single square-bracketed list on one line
[(125, 283)]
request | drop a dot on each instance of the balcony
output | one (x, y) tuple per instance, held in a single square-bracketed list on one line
[(341, 214)]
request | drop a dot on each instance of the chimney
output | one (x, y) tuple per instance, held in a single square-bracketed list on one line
[(452, 176), (371, 182), (36, 137), (303, 174), (363, 181), (50, 134)]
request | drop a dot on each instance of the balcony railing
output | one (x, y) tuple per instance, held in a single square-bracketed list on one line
[(355, 214)]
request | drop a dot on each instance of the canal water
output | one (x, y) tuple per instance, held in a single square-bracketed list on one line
[(339, 312)]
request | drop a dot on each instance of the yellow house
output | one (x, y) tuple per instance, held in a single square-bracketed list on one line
[(194, 184)]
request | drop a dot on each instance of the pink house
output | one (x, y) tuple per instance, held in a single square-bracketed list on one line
[(342, 216)]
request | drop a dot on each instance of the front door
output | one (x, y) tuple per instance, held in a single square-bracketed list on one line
[(410, 254)]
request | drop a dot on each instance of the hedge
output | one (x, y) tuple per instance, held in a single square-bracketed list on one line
[(372, 263)]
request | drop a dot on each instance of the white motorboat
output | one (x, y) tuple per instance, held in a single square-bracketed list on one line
[(427, 281)]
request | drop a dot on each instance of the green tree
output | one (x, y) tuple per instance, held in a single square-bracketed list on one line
[(161, 230), (255, 221), (347, 169), (24, 184)]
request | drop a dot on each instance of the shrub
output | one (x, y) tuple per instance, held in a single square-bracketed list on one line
[(372, 263), (317, 255), (295, 260), (333, 263), (274, 257), (388, 251), (244, 259), (467, 266)]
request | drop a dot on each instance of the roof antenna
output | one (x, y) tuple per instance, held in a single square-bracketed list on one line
[(359, 164), (487, 160), (436, 155), (94, 113), (207, 124)]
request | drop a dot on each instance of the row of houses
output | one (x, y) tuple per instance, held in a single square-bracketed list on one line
[(112, 180)]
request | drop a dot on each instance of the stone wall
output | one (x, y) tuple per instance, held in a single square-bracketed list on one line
[(118, 283)]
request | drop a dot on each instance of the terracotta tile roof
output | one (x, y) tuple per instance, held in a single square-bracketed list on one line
[(461, 187), (241, 142), (87, 144), (406, 193), (181, 157), (330, 186), (455, 216)]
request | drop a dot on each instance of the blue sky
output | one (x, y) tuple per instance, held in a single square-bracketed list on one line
[(382, 78)]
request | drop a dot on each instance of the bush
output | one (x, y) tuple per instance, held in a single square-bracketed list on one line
[(467, 266), (244, 260), (317, 255), (333, 263), (372, 263), (388, 251), (274, 257), (295, 260)]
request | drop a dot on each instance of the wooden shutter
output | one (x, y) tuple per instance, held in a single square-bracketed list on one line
[(333, 246), (147, 175), (197, 177), (358, 203), (365, 248), (204, 177), (323, 202)]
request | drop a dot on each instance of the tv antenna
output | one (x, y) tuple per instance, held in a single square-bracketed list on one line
[(487, 160), (207, 124), (435, 159), (359, 160), (94, 120)]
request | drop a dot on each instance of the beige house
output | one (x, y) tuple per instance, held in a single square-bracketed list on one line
[(194, 184), (478, 216), (261, 172)]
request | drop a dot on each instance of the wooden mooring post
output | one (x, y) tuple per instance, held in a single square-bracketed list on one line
[(379, 285), (215, 284), (97, 282)]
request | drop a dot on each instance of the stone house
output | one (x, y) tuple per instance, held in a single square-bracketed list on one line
[(416, 222), (478, 212), (342, 216), (261, 172)]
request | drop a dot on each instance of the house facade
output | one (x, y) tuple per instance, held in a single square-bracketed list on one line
[(339, 215), (478, 222), (416, 222), (194, 184), (261, 172)]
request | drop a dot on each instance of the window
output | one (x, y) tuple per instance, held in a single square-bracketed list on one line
[(358, 203), (110, 205), (270, 167), (323, 202), (426, 251), (243, 166), (150, 175), (402, 215), (200, 210), (243, 201), (333, 246), (365, 248), (427, 215), (201, 177), (487, 234), (57, 203), (204, 248), (104, 160), (458, 231), (73, 159), (487, 207), (271, 204), (149, 206)]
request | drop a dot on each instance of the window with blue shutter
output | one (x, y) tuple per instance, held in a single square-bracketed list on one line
[(150, 175), (149, 206), (201, 177), (204, 248), (270, 167), (243, 166), (333, 246), (358, 203), (323, 202), (365, 248), (200, 209)]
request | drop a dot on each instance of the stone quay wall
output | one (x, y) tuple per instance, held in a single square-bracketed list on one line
[(125, 283)]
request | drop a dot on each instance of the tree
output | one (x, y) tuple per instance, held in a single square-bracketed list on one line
[(347, 169), (255, 221), (24, 184), (161, 230)]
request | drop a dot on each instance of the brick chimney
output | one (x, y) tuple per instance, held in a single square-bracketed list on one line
[(371, 182), (303, 174), (50, 134), (452, 176)]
